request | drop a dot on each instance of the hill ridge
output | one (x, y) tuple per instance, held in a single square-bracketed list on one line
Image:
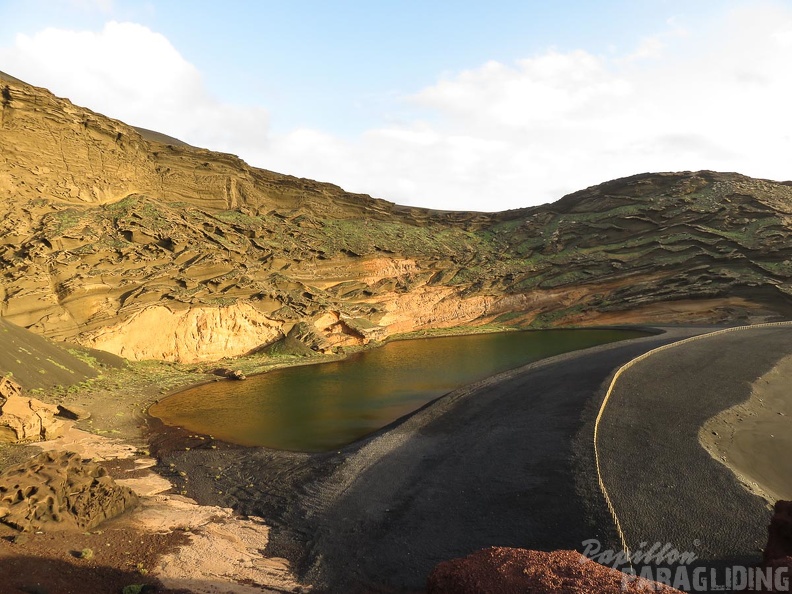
[(168, 251)]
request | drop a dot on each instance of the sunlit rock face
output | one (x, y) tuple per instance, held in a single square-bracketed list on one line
[(25, 420), (113, 239)]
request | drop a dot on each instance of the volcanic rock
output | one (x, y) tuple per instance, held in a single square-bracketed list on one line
[(232, 374), (73, 412), (27, 419), (8, 388), (516, 571), (779, 537), (58, 491), (777, 554), (131, 242)]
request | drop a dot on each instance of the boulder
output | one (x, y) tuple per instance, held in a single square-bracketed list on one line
[(777, 554), (233, 374), (779, 533), (59, 491), (516, 571), (8, 388), (73, 412), (27, 419)]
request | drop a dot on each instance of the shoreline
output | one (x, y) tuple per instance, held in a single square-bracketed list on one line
[(316, 502), (750, 438), (284, 487), (539, 346)]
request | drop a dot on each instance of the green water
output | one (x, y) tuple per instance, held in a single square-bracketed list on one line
[(324, 406)]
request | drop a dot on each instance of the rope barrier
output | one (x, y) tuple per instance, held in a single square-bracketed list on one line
[(616, 377)]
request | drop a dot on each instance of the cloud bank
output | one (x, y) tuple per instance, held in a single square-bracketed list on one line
[(493, 137)]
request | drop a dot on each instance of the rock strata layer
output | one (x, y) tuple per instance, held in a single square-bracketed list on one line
[(153, 249), (25, 419)]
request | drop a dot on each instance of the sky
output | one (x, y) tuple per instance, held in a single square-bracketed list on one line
[(454, 105)]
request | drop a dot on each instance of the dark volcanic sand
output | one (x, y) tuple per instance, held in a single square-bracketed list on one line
[(505, 462), (664, 485)]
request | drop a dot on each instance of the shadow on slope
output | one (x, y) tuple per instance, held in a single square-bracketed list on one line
[(37, 362)]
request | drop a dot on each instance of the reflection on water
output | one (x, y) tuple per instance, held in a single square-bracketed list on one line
[(324, 406)]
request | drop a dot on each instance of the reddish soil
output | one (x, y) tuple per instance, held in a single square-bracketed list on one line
[(515, 571), (54, 563)]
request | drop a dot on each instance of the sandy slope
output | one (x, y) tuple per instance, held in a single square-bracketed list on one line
[(754, 438)]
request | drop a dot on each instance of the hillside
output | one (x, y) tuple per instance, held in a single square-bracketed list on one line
[(116, 240), (35, 362)]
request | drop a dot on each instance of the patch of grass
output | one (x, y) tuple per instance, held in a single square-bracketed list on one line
[(238, 218), (66, 219), (84, 357), (86, 554), (59, 365), (549, 319)]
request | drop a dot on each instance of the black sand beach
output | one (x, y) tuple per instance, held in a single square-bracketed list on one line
[(508, 461), (664, 485), (754, 438)]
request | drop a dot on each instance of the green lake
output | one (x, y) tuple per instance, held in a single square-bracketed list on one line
[(327, 405)]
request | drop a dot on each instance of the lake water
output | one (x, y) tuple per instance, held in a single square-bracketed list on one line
[(324, 406)]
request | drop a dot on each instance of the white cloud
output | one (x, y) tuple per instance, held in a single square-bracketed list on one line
[(493, 137), (128, 72), (506, 136)]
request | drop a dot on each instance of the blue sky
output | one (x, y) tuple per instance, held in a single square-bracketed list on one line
[(453, 105)]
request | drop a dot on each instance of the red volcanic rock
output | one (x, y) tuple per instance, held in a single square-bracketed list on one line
[(778, 552), (517, 571), (779, 537)]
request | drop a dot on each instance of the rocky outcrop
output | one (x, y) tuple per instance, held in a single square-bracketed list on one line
[(779, 537), (187, 334), (27, 419), (232, 374), (8, 388), (59, 491), (151, 248), (516, 571), (777, 555)]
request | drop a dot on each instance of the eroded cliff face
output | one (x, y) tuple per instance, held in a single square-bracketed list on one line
[(151, 250), (187, 334)]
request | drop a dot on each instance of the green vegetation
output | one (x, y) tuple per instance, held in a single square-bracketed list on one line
[(66, 220), (86, 554)]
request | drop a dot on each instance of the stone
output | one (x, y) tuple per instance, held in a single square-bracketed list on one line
[(516, 571), (60, 491), (232, 374), (777, 555), (779, 533), (8, 388), (73, 412), (27, 419)]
